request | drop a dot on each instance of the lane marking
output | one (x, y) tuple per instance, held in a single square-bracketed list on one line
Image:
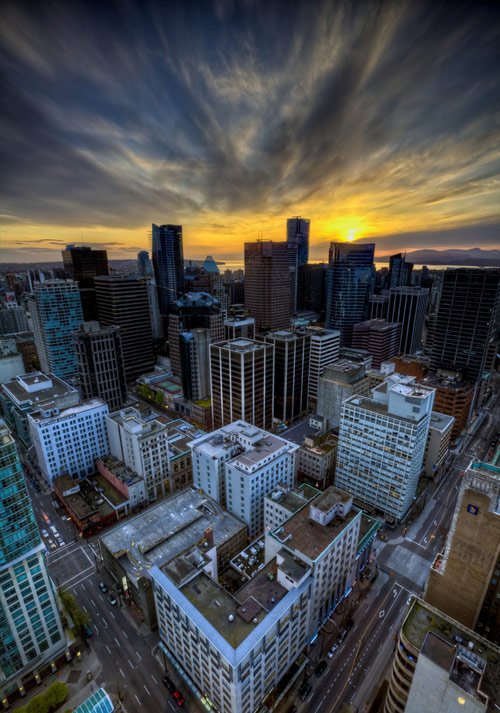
[(154, 679), (145, 687)]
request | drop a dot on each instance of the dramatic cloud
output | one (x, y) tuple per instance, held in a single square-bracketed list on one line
[(377, 117)]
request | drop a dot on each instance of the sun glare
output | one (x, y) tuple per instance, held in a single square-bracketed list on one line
[(351, 235)]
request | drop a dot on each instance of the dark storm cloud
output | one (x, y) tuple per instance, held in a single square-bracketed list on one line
[(116, 114)]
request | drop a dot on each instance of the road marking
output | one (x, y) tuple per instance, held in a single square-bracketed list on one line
[(154, 679), (171, 705), (114, 617), (117, 642), (138, 701), (145, 688), (139, 656), (96, 629), (130, 663), (109, 650), (125, 635), (101, 597), (93, 603), (76, 576)]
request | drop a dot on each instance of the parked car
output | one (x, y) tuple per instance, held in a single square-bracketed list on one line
[(60, 542), (112, 599), (303, 686), (178, 698), (103, 587), (332, 651), (169, 683), (45, 533), (305, 693), (320, 668)]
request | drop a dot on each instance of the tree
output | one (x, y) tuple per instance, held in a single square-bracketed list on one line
[(79, 616), (38, 704), (56, 694)]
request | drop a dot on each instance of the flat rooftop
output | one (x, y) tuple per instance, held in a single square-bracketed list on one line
[(423, 618), (242, 345), (235, 617), (373, 406), (310, 538), (295, 498), (51, 389), (162, 532), (260, 451), (38, 416), (441, 421), (120, 470), (330, 497), (342, 368)]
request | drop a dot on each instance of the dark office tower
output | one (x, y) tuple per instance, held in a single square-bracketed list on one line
[(83, 264), (378, 337), (350, 280), (144, 266), (168, 264), (407, 305), (465, 320), (379, 306), (267, 284), (399, 271), (297, 231), (312, 288), (242, 373), (123, 301), (291, 373), (293, 262), (100, 364)]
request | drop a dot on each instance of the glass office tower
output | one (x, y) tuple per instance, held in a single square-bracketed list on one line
[(168, 264)]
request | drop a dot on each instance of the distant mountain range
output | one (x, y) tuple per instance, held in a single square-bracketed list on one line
[(456, 256)]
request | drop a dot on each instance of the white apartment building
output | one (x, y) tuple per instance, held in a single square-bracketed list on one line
[(68, 440), (324, 349), (234, 649), (240, 464), (382, 442), (152, 446), (438, 443)]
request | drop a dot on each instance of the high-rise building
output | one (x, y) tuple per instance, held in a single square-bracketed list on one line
[(350, 281), (239, 327), (25, 345), (68, 440), (379, 306), (239, 465), (12, 320), (195, 321), (382, 443), (56, 311), (311, 293), (465, 320), (100, 363), (267, 284), (399, 271), (168, 264), (324, 349), (144, 265), (11, 362), (438, 443), (470, 563), (407, 305), (453, 397), (291, 372), (441, 666), (28, 393), (242, 382), (123, 302), (297, 232), (378, 337), (82, 264), (31, 631), (339, 381)]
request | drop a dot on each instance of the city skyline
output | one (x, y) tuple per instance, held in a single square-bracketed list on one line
[(376, 123)]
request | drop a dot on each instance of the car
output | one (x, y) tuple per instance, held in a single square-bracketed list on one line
[(53, 529), (111, 599), (178, 698), (320, 668), (46, 517), (103, 587), (169, 683), (303, 686), (52, 545), (332, 651), (292, 709), (45, 533), (60, 542), (305, 693)]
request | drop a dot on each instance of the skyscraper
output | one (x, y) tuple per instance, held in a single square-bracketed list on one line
[(350, 279), (407, 305), (168, 264), (267, 284), (123, 301), (82, 264), (56, 312), (144, 266), (100, 363), (297, 231), (382, 443), (465, 320), (399, 271), (242, 377), (31, 633), (379, 337), (291, 372)]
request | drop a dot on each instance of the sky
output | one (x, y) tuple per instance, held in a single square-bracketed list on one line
[(376, 120)]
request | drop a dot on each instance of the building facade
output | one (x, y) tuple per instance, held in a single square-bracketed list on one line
[(382, 443), (339, 380), (100, 364), (168, 264), (11, 362), (438, 443), (407, 305), (378, 337), (56, 312), (268, 284), (291, 373), (31, 632), (453, 397), (324, 349), (242, 382), (297, 232), (123, 302), (82, 264), (68, 440)]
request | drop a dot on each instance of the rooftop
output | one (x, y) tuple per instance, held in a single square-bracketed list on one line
[(330, 497), (120, 470), (243, 345), (310, 538), (441, 421), (37, 389), (146, 423), (343, 368), (294, 499), (40, 417), (162, 532), (469, 648)]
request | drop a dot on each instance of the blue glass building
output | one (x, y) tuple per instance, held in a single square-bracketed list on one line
[(297, 231), (56, 311), (349, 285), (144, 266), (31, 633), (168, 264)]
